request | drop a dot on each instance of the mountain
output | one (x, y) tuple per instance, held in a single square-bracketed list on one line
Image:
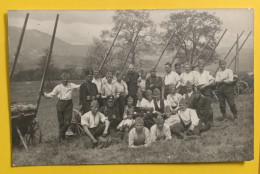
[(34, 43), (69, 55)]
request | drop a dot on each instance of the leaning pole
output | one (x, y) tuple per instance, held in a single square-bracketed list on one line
[(18, 47), (47, 63)]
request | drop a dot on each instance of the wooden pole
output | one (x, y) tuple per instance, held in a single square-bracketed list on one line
[(174, 57), (18, 47), (239, 49), (47, 63), (237, 59), (107, 54), (167, 44), (212, 52), (197, 58), (129, 51), (229, 52)]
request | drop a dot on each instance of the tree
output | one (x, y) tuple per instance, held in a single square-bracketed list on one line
[(192, 30), (52, 72), (132, 20)]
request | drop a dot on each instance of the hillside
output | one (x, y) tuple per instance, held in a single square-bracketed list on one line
[(69, 55)]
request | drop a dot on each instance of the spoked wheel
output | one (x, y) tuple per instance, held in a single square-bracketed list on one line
[(75, 126), (241, 87), (34, 134)]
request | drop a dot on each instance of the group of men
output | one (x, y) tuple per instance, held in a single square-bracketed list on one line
[(105, 100)]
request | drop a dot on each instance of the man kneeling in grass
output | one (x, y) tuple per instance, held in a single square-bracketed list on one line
[(94, 127), (189, 121)]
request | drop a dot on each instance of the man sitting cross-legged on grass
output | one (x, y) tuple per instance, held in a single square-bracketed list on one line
[(189, 121), (64, 105), (126, 125), (160, 131), (139, 136), (94, 127), (203, 109)]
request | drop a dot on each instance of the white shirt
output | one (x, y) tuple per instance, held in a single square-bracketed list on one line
[(203, 78), (171, 78), (155, 132), (92, 121), (104, 80), (227, 74), (120, 88), (98, 83), (173, 100), (142, 103), (141, 84), (150, 104), (62, 92), (189, 115), (172, 120), (107, 89), (126, 122), (191, 76)]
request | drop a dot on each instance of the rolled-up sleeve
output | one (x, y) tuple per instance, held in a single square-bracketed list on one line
[(102, 117)]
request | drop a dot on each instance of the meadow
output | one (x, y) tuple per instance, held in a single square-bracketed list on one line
[(225, 141)]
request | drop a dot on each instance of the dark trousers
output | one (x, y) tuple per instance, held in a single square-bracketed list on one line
[(179, 128), (121, 104), (64, 113), (226, 93), (97, 131), (207, 92)]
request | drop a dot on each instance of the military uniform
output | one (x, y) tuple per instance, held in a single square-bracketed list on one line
[(88, 93)]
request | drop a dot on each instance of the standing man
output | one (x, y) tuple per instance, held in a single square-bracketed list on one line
[(88, 92), (64, 105), (98, 82), (187, 76), (177, 67), (225, 92), (204, 80), (132, 81), (153, 81), (171, 78)]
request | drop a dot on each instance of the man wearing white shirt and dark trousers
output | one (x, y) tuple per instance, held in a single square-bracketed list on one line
[(64, 105), (171, 78), (204, 80), (225, 91)]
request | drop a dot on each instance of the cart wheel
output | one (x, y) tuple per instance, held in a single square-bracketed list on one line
[(241, 87), (76, 128), (34, 134)]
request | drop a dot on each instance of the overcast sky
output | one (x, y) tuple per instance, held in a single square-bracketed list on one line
[(80, 26)]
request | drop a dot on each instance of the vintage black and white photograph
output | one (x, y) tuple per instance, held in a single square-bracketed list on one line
[(131, 86)]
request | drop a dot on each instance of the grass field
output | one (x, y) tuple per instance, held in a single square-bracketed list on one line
[(226, 141)]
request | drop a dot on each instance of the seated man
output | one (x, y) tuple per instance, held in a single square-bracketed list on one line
[(159, 103), (189, 95), (94, 127), (173, 98), (111, 111), (189, 121), (203, 108), (160, 131)]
